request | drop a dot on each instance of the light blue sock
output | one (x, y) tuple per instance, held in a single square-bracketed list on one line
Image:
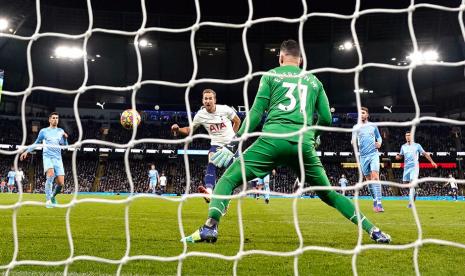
[(371, 188), (267, 190), (377, 193), (49, 187)]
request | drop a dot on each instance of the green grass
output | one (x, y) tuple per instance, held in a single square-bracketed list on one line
[(99, 230)]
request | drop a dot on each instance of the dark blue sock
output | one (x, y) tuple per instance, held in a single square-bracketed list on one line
[(210, 176)]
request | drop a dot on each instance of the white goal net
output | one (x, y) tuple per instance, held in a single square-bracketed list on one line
[(193, 29)]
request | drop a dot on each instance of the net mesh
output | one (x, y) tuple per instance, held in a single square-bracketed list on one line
[(354, 252)]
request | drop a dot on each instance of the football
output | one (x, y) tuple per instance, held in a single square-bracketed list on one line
[(130, 118)]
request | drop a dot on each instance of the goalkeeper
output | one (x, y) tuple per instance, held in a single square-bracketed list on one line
[(285, 98)]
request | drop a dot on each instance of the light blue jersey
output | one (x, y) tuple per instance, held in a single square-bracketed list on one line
[(51, 155), (411, 153), (367, 135), (153, 177), (343, 182), (11, 177), (53, 137)]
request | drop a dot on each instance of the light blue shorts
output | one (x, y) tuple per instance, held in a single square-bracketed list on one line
[(411, 173), (11, 181), (55, 164), (153, 183), (369, 164)]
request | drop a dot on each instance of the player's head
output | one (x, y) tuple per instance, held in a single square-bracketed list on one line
[(364, 113), (12, 168), (343, 176), (289, 53), (408, 136), (450, 175), (152, 166), (53, 119), (209, 100)]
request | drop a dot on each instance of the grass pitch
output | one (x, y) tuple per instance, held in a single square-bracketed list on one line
[(99, 230)]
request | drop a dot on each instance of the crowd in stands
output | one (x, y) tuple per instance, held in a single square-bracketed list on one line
[(432, 137), (115, 179)]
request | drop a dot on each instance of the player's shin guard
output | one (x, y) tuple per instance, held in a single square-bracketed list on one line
[(49, 187), (345, 207), (210, 176)]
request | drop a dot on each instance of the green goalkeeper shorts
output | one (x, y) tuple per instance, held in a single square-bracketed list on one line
[(268, 153)]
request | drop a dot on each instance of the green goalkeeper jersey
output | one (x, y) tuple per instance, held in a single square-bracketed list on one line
[(287, 99)]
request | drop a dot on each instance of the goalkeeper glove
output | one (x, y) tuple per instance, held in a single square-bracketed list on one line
[(317, 142), (223, 157)]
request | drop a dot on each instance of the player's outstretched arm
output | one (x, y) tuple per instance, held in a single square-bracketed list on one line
[(181, 131), (39, 140), (379, 139), (236, 123), (428, 156), (323, 110)]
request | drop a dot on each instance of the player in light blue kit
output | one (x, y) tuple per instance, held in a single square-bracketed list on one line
[(53, 137), (343, 182), (266, 186), (11, 179), (154, 179), (369, 141), (411, 152)]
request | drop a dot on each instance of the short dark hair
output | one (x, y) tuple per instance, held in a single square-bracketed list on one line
[(53, 113), (290, 47), (208, 90), (407, 132), (365, 109)]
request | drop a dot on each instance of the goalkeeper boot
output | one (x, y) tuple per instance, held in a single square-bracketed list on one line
[(267, 201), (378, 236), (203, 234), (206, 191)]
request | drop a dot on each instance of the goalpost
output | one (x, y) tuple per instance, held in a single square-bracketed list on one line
[(245, 26)]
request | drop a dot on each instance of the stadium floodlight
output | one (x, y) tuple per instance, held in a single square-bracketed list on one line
[(348, 45), (420, 57), (68, 52), (144, 43), (4, 24)]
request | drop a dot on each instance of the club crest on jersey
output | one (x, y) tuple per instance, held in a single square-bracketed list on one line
[(217, 127)]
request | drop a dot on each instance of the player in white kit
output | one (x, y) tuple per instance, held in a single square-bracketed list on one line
[(453, 186), (19, 177), (221, 123)]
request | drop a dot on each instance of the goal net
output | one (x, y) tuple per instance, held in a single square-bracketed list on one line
[(134, 88)]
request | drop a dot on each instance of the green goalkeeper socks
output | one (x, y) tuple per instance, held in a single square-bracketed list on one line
[(218, 206), (341, 203)]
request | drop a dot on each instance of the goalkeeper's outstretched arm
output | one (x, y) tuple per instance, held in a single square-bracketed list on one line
[(323, 110), (260, 105)]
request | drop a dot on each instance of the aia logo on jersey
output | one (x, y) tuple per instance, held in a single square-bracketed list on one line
[(217, 127)]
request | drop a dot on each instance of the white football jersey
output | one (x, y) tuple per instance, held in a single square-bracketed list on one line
[(162, 180), (19, 176), (452, 183), (218, 124)]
